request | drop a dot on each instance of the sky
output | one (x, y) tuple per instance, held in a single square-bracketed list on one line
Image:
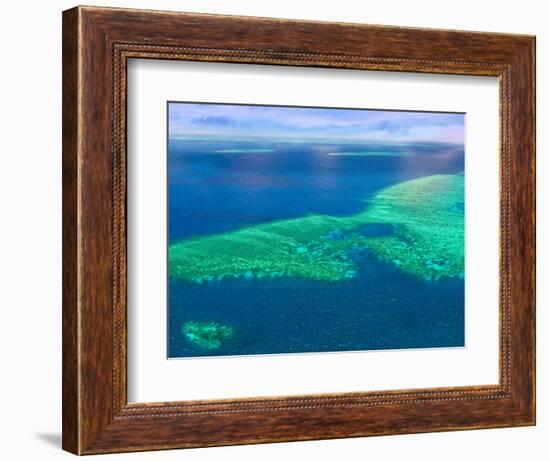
[(229, 120)]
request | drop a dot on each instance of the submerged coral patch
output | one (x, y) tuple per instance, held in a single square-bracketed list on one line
[(416, 225), (376, 230), (208, 335)]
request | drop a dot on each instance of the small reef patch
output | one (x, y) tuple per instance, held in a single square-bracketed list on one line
[(368, 154), (208, 335), (244, 151)]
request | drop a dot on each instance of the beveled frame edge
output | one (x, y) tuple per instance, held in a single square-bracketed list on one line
[(97, 42)]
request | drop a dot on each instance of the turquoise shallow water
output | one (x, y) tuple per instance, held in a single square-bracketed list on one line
[(221, 187)]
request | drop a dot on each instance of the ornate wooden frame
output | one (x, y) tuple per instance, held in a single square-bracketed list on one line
[(97, 43)]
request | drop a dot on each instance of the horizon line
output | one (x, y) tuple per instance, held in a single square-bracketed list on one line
[(267, 138)]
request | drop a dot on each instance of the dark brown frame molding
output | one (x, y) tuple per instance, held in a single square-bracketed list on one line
[(97, 43)]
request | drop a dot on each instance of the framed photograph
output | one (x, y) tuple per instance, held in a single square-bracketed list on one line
[(280, 230)]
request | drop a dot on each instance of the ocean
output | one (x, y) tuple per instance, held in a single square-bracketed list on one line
[(219, 187)]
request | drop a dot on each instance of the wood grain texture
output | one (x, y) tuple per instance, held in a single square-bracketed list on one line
[(70, 384), (97, 43)]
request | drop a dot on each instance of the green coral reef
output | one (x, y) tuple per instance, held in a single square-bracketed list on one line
[(425, 218), (206, 335)]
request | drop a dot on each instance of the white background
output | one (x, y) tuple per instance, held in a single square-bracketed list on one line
[(30, 247), (153, 378)]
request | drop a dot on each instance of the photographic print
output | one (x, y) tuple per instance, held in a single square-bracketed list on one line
[(313, 229)]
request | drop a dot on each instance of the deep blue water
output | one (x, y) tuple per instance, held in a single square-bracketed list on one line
[(382, 308)]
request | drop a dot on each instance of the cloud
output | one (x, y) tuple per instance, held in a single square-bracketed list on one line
[(302, 122), (223, 120), (392, 127)]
